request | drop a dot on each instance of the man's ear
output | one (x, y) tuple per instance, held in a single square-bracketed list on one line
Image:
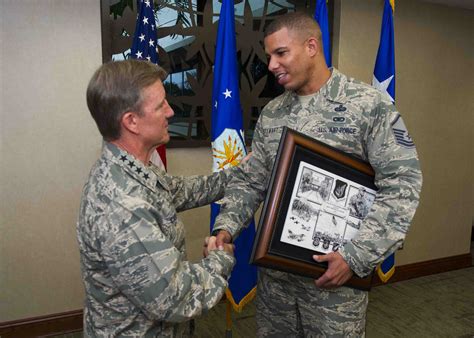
[(129, 122), (313, 46)]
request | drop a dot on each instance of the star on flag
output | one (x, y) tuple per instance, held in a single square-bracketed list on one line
[(145, 42), (383, 86), (227, 93)]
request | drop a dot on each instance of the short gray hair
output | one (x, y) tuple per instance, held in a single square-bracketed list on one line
[(116, 88)]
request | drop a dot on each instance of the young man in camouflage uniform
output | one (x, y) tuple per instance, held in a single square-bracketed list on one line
[(137, 279), (355, 118)]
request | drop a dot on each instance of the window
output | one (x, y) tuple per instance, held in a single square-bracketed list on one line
[(187, 31)]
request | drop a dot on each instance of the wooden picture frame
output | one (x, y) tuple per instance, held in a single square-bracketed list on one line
[(317, 197)]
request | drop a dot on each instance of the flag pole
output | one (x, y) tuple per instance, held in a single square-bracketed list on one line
[(228, 319), (228, 145), (384, 80)]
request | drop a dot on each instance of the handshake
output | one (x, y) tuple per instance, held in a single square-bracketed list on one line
[(210, 243)]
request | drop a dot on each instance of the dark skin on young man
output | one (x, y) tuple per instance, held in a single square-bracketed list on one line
[(298, 64)]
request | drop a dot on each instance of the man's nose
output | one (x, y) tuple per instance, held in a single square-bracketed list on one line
[(272, 64), (170, 111)]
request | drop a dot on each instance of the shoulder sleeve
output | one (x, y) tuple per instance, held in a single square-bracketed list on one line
[(246, 188), (153, 274), (393, 156), (195, 191)]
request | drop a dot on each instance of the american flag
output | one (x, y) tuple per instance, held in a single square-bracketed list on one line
[(145, 43), (145, 47)]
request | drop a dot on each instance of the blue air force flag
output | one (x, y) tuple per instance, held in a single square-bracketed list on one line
[(384, 80), (321, 16), (228, 147), (384, 71)]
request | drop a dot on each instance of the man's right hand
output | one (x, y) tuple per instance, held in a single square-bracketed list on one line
[(222, 238), (211, 244)]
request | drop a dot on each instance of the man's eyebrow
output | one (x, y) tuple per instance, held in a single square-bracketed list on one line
[(276, 50), (279, 49)]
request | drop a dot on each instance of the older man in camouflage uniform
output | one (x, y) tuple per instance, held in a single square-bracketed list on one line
[(137, 279), (355, 118)]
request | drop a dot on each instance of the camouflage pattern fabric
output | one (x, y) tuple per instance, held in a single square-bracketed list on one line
[(291, 306), (355, 118), (137, 279)]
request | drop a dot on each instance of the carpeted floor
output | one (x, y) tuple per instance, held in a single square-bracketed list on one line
[(439, 305)]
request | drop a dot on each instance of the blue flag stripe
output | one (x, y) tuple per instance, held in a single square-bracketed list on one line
[(321, 16)]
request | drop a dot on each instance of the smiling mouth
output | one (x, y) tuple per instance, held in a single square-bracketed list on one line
[(281, 77)]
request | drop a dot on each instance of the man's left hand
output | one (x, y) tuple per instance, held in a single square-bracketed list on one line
[(338, 271)]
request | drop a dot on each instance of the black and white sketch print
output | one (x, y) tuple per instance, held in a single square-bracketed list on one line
[(300, 221), (295, 236), (329, 232), (314, 186), (303, 209), (325, 210), (359, 202), (340, 188), (339, 192), (353, 226)]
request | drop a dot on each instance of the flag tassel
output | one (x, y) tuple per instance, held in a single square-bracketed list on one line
[(244, 301), (385, 276)]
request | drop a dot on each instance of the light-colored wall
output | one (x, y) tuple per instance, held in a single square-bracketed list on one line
[(49, 50), (434, 65), (49, 142)]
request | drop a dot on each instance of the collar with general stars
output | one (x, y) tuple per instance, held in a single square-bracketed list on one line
[(147, 175)]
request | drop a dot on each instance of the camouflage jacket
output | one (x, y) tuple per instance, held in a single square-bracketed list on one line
[(355, 118), (133, 260)]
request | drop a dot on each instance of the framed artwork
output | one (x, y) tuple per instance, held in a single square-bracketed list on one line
[(316, 201)]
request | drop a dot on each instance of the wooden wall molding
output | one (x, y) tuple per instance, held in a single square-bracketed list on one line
[(49, 325), (69, 322), (426, 268)]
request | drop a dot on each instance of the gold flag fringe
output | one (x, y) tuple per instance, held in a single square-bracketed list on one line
[(384, 277), (247, 299)]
